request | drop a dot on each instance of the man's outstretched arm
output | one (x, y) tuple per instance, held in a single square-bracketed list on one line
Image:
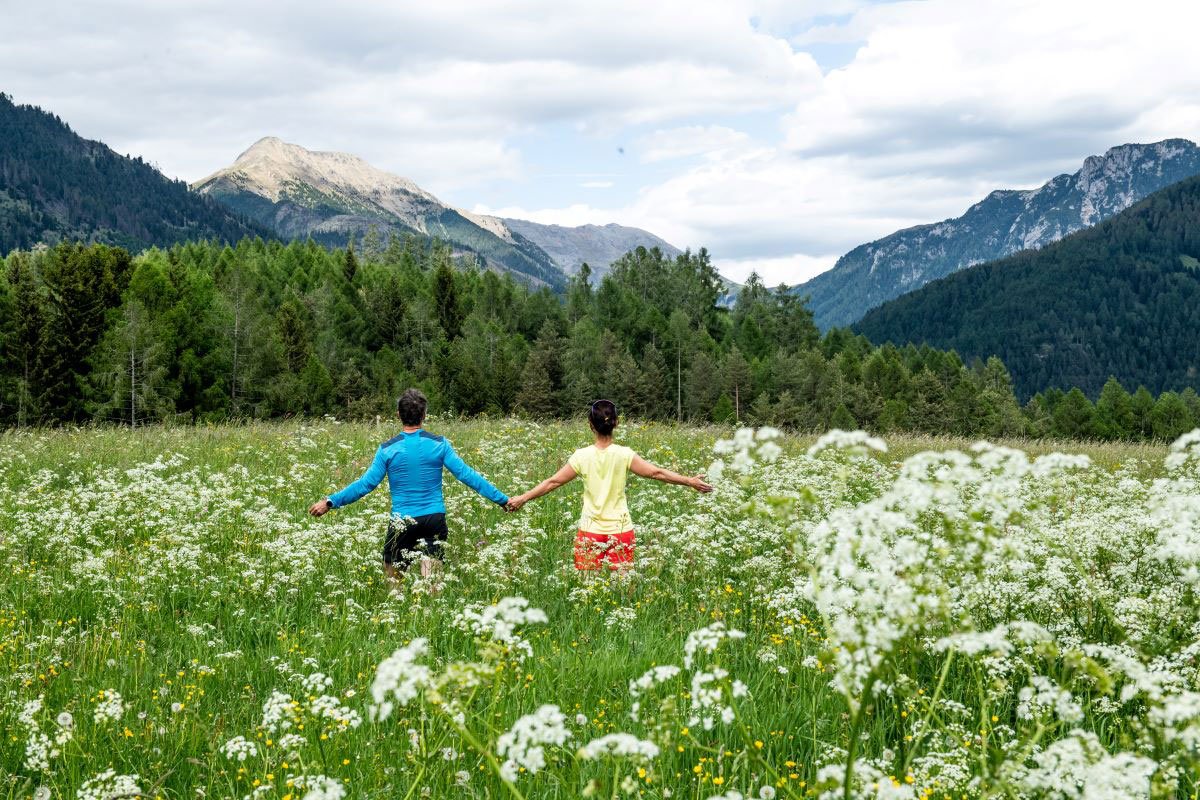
[(461, 470), (357, 490)]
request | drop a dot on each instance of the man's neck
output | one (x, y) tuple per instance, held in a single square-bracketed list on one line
[(411, 428)]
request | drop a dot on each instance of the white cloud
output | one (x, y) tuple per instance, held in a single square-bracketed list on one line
[(943, 101), (774, 271), (712, 141), (433, 91)]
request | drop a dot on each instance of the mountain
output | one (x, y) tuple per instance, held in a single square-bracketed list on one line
[(56, 185), (1005, 222), (328, 196), (596, 245), (1122, 299)]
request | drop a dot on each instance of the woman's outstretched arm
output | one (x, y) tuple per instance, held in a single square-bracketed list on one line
[(642, 467), (560, 478)]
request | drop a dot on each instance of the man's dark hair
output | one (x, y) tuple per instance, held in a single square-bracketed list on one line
[(603, 416), (412, 405)]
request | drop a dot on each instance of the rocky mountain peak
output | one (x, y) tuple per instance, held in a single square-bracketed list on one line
[(1004, 222), (270, 165)]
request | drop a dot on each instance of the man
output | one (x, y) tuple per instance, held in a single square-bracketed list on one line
[(413, 462)]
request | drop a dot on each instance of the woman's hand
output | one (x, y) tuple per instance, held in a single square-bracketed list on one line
[(699, 485), (515, 503)]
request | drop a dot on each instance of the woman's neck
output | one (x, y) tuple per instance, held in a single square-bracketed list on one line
[(603, 441)]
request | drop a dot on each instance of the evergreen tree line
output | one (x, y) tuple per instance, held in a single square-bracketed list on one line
[(207, 332)]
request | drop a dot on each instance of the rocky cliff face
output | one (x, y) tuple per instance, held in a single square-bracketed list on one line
[(1005, 222)]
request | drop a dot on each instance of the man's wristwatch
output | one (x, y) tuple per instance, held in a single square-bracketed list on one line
[(328, 504)]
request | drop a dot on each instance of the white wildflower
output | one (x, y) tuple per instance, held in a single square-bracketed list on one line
[(111, 707), (499, 622), (277, 712), (523, 744), (320, 787), (619, 745), (109, 784), (239, 749), (316, 683), (854, 442), (400, 678), (707, 639), (330, 708), (651, 678)]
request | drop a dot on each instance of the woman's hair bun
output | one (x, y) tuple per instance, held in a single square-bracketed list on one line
[(603, 416)]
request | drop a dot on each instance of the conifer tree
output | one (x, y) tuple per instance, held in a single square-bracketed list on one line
[(653, 387), (842, 418), (316, 387), (1073, 416), (538, 394), (737, 379), (701, 389), (1142, 403), (679, 331), (762, 410), (1170, 417), (1114, 411), (349, 262), (787, 410), (446, 302), (83, 283), (292, 326), (24, 341)]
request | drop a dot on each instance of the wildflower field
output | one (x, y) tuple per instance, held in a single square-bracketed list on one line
[(836, 620)]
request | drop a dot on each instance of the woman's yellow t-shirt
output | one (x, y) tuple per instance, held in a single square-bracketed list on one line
[(603, 473)]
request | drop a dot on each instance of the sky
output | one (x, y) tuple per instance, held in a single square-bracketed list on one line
[(779, 134)]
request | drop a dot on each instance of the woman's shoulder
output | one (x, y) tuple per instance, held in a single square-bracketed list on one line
[(582, 456), (626, 454)]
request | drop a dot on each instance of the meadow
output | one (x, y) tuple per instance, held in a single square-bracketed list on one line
[(840, 619)]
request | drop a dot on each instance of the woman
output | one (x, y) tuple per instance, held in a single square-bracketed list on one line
[(605, 529)]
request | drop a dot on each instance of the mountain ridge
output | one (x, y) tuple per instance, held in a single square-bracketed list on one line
[(596, 245), (1004, 222), (56, 185), (330, 195), (1121, 298)]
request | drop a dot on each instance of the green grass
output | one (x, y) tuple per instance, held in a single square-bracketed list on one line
[(200, 581)]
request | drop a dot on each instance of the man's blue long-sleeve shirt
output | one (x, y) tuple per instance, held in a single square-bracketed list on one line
[(413, 465)]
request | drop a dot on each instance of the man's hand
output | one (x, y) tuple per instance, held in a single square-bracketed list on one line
[(319, 508), (515, 503), (699, 485)]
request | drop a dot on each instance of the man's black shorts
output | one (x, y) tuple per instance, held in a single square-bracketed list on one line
[(406, 535)]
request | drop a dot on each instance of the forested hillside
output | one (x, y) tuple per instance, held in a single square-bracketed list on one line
[(1005, 222), (56, 186), (263, 329), (1121, 299)]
